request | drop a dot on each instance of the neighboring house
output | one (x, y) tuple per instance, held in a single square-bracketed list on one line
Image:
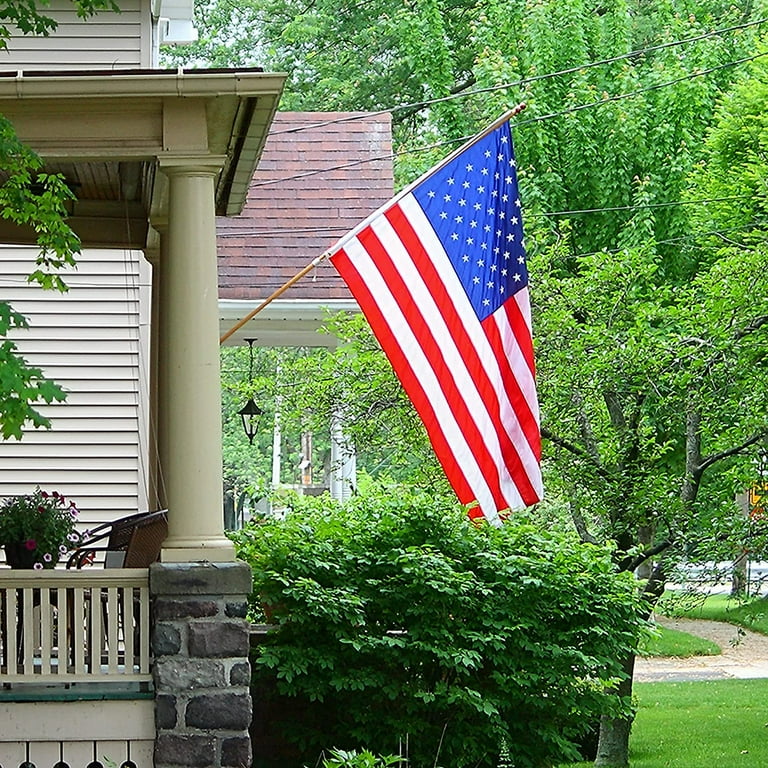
[(321, 174)]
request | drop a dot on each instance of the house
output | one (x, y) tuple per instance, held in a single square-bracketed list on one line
[(321, 173), (154, 157)]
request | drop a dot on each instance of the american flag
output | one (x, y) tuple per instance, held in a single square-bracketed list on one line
[(440, 273)]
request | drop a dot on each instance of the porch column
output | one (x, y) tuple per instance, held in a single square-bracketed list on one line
[(189, 384)]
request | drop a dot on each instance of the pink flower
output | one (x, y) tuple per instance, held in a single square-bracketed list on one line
[(41, 509), (47, 557), (38, 566), (62, 549), (30, 544), (44, 494)]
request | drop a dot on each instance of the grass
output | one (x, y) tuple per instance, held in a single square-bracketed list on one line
[(673, 642), (752, 614), (699, 724)]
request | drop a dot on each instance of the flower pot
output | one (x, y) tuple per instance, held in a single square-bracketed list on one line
[(18, 556)]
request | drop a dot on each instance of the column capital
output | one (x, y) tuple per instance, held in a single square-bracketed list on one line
[(173, 165)]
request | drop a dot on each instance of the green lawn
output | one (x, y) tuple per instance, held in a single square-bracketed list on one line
[(672, 642), (750, 615), (704, 724)]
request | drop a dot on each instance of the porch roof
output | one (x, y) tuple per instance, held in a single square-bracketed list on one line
[(108, 132)]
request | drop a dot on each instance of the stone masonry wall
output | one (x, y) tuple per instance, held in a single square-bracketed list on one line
[(200, 641)]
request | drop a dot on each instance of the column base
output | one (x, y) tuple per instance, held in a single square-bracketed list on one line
[(193, 550)]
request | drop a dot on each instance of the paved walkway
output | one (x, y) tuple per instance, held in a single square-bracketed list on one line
[(744, 654)]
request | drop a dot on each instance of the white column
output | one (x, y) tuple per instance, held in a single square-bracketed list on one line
[(343, 461), (189, 382)]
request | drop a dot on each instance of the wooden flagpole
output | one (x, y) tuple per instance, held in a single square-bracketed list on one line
[(492, 127), (282, 289)]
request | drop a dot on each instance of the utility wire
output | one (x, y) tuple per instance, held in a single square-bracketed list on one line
[(537, 119), (550, 214), (524, 81)]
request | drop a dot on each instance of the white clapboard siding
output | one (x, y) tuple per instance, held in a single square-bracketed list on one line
[(108, 40), (89, 340)]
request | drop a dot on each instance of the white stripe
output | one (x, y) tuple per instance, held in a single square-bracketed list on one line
[(525, 380), (412, 351), (465, 384), (455, 289)]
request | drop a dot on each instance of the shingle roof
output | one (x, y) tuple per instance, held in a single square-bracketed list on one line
[(311, 187)]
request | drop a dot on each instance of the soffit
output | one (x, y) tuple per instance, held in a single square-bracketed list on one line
[(108, 132)]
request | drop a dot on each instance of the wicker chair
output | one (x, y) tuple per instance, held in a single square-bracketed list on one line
[(129, 542)]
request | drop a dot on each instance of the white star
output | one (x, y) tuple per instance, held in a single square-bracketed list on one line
[(516, 277), (459, 219), (514, 221), (484, 172), (481, 190), (447, 198), (470, 241), (517, 202), (481, 263), (486, 302), (521, 259), (465, 184), (470, 167), (443, 215), (473, 224), (476, 280), (489, 284), (487, 153), (454, 236), (450, 181), (503, 139), (462, 202), (431, 193), (465, 258)]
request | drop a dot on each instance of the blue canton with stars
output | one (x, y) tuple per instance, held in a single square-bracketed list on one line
[(473, 205)]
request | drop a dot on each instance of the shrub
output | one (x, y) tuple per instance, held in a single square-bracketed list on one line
[(398, 621)]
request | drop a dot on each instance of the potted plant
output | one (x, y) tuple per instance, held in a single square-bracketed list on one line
[(36, 529)]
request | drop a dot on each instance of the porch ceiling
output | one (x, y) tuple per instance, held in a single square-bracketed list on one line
[(107, 133)]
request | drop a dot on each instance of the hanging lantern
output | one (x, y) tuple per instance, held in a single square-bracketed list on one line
[(250, 413)]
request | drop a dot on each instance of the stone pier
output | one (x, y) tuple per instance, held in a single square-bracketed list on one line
[(202, 674)]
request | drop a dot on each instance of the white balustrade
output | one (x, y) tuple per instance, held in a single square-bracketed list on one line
[(74, 626)]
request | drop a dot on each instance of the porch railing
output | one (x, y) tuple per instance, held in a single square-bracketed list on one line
[(74, 626)]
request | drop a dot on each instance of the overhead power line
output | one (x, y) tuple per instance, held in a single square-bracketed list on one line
[(526, 80), (526, 121)]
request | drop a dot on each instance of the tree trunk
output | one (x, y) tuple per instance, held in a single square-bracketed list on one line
[(613, 745)]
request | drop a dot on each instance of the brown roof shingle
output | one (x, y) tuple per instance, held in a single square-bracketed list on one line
[(311, 186)]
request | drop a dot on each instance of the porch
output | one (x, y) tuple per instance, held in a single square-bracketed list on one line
[(75, 668)]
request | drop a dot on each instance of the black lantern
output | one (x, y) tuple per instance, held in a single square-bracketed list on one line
[(250, 413)]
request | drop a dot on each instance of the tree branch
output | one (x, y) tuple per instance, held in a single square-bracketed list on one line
[(576, 451)]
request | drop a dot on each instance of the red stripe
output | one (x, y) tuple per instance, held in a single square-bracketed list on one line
[(528, 424), (522, 333), (488, 394), (431, 350), (402, 367)]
